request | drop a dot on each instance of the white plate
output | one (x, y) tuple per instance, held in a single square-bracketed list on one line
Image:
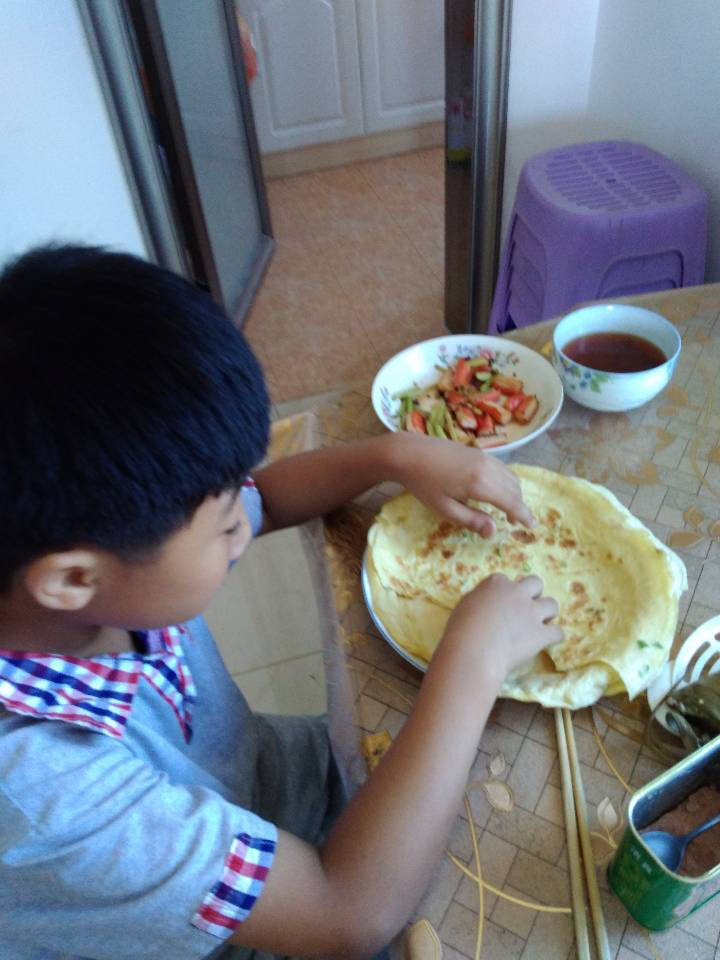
[(367, 594), (416, 366)]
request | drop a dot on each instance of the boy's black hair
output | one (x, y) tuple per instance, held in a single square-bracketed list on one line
[(126, 398)]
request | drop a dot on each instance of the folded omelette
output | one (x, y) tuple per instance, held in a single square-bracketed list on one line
[(618, 587)]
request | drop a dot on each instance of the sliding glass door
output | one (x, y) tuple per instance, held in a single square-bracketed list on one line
[(187, 65)]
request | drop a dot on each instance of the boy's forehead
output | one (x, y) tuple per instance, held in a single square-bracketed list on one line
[(229, 500)]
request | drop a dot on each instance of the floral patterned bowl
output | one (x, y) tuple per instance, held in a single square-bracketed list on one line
[(614, 392), (417, 366)]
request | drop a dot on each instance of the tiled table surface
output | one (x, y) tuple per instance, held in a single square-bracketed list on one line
[(663, 462)]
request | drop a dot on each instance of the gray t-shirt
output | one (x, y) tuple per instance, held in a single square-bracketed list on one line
[(140, 800)]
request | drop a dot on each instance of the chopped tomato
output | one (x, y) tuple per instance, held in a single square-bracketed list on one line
[(485, 424), (499, 414), (507, 384), (494, 396), (514, 400), (415, 422), (454, 398), (465, 418), (527, 411), (463, 373)]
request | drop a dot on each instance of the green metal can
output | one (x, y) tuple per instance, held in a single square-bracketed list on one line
[(655, 896)]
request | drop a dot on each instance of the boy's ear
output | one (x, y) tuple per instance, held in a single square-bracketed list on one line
[(63, 581)]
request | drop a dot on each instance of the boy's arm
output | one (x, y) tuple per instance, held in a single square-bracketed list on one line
[(442, 473), (353, 895)]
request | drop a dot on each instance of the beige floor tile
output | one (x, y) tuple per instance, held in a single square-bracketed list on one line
[(265, 611), (393, 721), (625, 954), (451, 954), (616, 918), (356, 246), (370, 713), (540, 880), (511, 916), (460, 841), (515, 715), (293, 687), (551, 938), (393, 693), (467, 895), (530, 772), (439, 896), (599, 785), (458, 929), (550, 805), (498, 942), (668, 943), (498, 739), (496, 857), (704, 923), (623, 751), (528, 832)]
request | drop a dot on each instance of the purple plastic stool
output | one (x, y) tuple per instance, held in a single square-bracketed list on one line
[(596, 221)]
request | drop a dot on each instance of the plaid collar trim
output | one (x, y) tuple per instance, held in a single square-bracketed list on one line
[(98, 692)]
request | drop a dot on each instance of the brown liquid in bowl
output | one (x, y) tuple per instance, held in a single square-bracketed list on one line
[(615, 352)]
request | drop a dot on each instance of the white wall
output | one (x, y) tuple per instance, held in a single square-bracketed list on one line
[(645, 70), (551, 59), (656, 79), (60, 170)]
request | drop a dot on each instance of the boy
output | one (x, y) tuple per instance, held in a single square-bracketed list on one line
[(145, 812)]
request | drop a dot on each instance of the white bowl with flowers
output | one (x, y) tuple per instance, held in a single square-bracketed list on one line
[(487, 392)]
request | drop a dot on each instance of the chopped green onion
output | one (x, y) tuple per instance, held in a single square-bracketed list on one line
[(526, 567), (413, 393), (485, 387), (483, 375), (437, 414), (642, 644), (479, 362)]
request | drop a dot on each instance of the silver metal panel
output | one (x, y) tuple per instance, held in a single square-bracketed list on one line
[(477, 56)]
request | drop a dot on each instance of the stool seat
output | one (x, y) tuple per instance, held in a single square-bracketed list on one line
[(594, 221)]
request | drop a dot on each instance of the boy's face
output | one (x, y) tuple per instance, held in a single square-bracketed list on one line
[(180, 579)]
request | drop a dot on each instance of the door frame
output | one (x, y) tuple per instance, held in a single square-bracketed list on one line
[(124, 36)]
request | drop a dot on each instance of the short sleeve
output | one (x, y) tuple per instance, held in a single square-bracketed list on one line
[(106, 858), (252, 502)]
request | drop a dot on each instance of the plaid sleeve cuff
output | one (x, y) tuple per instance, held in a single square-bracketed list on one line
[(233, 896)]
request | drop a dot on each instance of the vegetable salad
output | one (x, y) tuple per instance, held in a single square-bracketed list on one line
[(472, 402)]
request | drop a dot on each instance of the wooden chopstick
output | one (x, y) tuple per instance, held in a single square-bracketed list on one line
[(596, 909), (576, 884)]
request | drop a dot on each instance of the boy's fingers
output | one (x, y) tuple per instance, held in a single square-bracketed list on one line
[(533, 585), (548, 608), (505, 493), (465, 516)]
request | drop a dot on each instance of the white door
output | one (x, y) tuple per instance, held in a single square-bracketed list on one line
[(308, 85), (402, 56)]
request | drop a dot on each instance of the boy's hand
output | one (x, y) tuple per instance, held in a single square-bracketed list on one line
[(445, 474), (505, 621)]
